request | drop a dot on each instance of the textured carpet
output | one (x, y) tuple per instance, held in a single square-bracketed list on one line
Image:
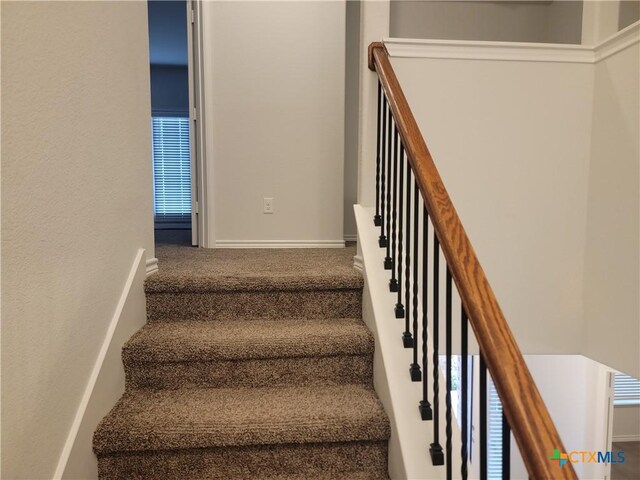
[(250, 353), (218, 270), (339, 303), (630, 469), (253, 364)]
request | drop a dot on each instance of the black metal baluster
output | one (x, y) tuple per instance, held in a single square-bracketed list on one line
[(414, 370), (483, 419), (435, 449), (407, 339), (399, 310), (393, 283), (388, 265), (506, 448), (376, 218), (425, 406), (448, 342), (382, 240), (465, 391)]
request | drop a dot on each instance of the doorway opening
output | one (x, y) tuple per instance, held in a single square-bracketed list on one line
[(174, 195)]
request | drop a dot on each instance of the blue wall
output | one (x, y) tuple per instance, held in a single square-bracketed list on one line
[(168, 57), (169, 91)]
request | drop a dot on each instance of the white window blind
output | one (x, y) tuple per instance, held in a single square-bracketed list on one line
[(171, 169), (626, 390), (494, 433)]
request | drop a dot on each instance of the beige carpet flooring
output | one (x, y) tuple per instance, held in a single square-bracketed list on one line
[(202, 269), (630, 469), (253, 364)]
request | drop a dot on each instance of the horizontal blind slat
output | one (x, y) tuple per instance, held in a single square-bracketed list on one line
[(626, 390), (171, 167)]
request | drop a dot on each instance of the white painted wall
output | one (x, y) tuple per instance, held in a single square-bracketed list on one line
[(275, 83), (510, 21), (629, 13), (564, 21), (574, 389), (611, 280), (626, 423), (516, 168), (600, 20), (76, 207), (374, 26), (352, 85)]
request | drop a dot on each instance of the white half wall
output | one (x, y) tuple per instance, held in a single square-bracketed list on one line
[(274, 84), (410, 436), (612, 255), (538, 147), (509, 131), (76, 207)]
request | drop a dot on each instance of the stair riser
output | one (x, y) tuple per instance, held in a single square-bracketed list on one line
[(327, 461), (336, 370), (279, 304)]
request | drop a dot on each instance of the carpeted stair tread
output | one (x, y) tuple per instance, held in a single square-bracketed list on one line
[(308, 461), (225, 270), (329, 476), (197, 418), (248, 339)]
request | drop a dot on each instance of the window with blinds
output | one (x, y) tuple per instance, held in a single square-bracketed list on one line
[(626, 390), (456, 395), (494, 433), (171, 170)]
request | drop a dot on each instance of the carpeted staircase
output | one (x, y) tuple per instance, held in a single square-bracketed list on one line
[(254, 364)]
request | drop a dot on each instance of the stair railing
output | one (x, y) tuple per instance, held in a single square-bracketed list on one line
[(400, 143)]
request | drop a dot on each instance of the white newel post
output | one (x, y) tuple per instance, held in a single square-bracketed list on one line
[(374, 26)]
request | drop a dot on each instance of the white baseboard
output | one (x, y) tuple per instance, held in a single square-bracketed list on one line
[(106, 381), (626, 438), (351, 238), (279, 243), (358, 263), (151, 266)]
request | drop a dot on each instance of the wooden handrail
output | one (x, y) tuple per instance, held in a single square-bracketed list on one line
[(530, 422)]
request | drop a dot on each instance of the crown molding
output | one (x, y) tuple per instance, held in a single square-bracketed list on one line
[(513, 51), (623, 39), (472, 50)]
